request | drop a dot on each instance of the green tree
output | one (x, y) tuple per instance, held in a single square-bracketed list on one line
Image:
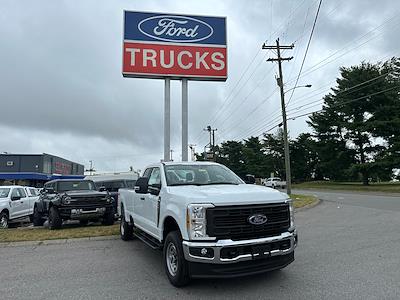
[(348, 121)]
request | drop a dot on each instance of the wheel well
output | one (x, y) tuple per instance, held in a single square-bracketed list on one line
[(5, 211), (169, 225)]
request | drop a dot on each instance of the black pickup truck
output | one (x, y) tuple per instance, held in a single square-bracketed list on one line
[(72, 200)]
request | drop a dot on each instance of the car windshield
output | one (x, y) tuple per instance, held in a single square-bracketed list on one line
[(4, 192), (199, 175), (75, 185)]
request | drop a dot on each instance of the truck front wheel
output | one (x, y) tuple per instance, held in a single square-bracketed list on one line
[(4, 220), (108, 218), (37, 217), (55, 220), (175, 264)]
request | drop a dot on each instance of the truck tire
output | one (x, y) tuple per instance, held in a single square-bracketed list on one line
[(37, 217), (83, 222), (108, 218), (125, 230), (175, 264), (4, 220), (55, 220)]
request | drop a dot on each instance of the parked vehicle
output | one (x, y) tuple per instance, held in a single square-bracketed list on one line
[(275, 182), (16, 202), (113, 182), (73, 200), (208, 222)]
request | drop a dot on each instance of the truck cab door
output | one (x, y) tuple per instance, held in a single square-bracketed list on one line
[(139, 202)]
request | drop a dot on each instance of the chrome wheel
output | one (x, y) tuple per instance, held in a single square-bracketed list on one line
[(4, 222), (172, 259)]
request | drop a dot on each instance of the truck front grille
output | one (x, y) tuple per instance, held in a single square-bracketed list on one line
[(88, 202), (231, 222)]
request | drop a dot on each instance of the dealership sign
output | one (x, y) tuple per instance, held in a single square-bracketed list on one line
[(177, 46)]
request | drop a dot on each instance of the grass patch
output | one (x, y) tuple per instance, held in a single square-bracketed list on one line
[(67, 232), (387, 187), (303, 200)]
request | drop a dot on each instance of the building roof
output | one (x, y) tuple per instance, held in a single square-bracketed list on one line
[(36, 176)]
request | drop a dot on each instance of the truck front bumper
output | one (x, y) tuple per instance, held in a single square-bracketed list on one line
[(228, 251), (227, 258)]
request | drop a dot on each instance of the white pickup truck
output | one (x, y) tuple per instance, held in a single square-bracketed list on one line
[(275, 182), (16, 202), (208, 222)]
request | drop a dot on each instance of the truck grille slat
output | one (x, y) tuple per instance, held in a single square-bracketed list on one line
[(231, 222)]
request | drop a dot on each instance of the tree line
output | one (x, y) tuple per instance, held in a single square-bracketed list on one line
[(354, 137)]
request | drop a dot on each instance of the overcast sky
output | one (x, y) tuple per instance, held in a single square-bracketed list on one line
[(62, 92)]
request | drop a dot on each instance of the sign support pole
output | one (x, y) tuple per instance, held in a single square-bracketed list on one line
[(185, 112), (167, 118)]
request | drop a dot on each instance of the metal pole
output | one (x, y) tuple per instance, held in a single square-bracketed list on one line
[(185, 125), (285, 131), (167, 118)]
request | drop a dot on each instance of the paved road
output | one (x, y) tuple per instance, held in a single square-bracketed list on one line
[(345, 252), (367, 199)]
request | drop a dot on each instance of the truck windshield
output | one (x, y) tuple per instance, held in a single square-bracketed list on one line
[(4, 192), (75, 185), (199, 175)]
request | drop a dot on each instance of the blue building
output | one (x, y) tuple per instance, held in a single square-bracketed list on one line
[(36, 169)]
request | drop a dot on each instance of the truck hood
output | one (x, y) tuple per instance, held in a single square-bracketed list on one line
[(226, 194), (85, 193)]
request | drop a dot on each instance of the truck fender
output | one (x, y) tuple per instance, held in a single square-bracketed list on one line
[(172, 211)]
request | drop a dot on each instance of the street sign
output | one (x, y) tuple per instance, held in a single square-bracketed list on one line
[(158, 45)]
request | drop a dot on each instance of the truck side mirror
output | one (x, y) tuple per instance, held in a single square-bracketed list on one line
[(14, 198), (50, 190), (154, 189), (102, 189), (142, 185), (249, 179)]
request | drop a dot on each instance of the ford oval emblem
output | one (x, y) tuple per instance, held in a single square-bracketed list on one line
[(257, 219), (175, 29)]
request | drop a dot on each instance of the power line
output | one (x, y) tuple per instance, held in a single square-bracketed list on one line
[(306, 52)]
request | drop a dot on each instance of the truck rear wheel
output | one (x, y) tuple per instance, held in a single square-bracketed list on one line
[(37, 217), (4, 220), (125, 230), (175, 264), (55, 220)]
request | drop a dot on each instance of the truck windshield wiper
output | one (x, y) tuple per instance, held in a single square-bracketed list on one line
[(178, 184), (214, 183)]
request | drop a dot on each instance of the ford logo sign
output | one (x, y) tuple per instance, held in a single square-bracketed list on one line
[(175, 29), (257, 219)]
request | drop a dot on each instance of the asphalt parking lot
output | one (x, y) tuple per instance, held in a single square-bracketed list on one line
[(346, 252)]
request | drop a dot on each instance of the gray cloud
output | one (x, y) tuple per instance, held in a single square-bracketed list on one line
[(61, 82)]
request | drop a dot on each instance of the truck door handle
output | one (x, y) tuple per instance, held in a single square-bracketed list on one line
[(22, 202), (142, 198)]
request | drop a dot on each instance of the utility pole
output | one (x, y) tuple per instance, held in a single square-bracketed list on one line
[(279, 80), (90, 170), (211, 131)]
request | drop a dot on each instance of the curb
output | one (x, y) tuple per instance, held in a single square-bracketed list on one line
[(57, 242), (311, 205)]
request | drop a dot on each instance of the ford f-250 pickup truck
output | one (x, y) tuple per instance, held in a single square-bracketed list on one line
[(208, 222)]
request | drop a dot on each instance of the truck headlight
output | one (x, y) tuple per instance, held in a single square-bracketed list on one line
[(196, 221), (291, 212), (66, 200)]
